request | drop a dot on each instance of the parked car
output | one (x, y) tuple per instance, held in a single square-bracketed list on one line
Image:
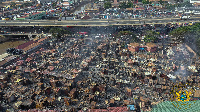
[(17, 52), (10, 50)]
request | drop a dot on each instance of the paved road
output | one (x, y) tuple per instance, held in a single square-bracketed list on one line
[(98, 22), (22, 34)]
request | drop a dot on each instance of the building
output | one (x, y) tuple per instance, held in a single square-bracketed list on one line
[(110, 109), (115, 3), (194, 1), (168, 106), (43, 1), (196, 4), (133, 47), (197, 94), (37, 15), (66, 4), (149, 47)]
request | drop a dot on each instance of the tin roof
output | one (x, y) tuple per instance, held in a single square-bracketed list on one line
[(177, 106)]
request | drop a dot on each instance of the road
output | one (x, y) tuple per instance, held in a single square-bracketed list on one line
[(137, 21), (21, 34)]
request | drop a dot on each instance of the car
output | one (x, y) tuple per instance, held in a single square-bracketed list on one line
[(17, 52), (10, 50), (184, 17)]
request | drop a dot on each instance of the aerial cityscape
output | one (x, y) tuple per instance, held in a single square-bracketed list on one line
[(99, 56)]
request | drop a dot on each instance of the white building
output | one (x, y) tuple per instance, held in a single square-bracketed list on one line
[(194, 1), (66, 4), (47, 1)]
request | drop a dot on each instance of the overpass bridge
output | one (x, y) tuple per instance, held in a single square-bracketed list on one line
[(101, 22), (20, 35)]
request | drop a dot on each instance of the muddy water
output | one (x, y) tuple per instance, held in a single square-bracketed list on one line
[(10, 44)]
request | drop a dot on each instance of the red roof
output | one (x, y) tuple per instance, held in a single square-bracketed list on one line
[(23, 17), (110, 109), (28, 59), (130, 61), (140, 8), (98, 110), (117, 109), (65, 3), (36, 13), (22, 46)]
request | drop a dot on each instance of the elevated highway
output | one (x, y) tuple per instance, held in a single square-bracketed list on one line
[(103, 22), (22, 34)]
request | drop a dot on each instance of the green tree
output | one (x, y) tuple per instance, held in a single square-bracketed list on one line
[(151, 36), (146, 2), (58, 32), (107, 5), (179, 33), (189, 35), (161, 2), (125, 5), (129, 5), (122, 5), (187, 4), (125, 33), (54, 4)]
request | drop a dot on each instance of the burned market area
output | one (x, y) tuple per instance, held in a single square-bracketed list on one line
[(110, 69)]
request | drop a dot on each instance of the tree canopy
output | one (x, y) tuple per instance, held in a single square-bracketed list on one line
[(151, 36), (189, 35), (107, 5), (146, 2), (161, 2), (179, 32), (58, 32), (53, 4), (125, 5)]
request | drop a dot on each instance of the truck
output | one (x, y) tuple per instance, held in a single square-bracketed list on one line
[(184, 17)]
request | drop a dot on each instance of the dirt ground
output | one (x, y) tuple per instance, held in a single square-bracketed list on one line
[(10, 44)]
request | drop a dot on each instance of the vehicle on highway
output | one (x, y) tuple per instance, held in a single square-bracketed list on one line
[(184, 17)]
